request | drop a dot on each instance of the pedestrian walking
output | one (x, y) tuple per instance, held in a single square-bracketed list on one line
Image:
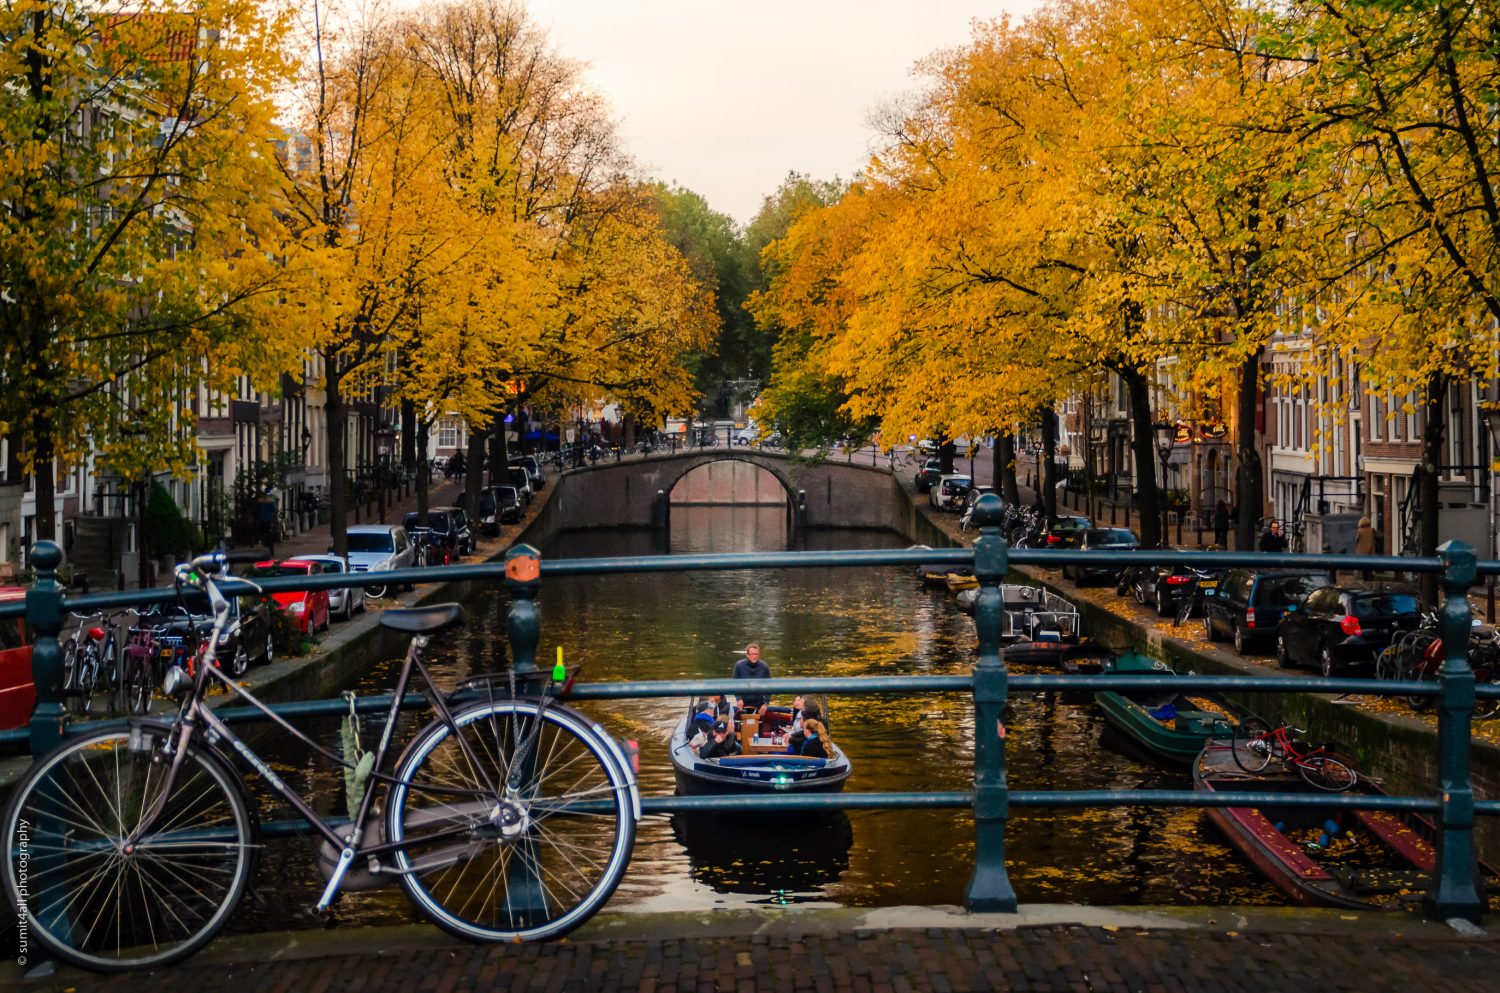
[(1221, 524), (1366, 542)]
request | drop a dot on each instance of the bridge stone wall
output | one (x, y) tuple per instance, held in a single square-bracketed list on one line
[(626, 493)]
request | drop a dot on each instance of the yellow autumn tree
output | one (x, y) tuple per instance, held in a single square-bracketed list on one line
[(136, 252)]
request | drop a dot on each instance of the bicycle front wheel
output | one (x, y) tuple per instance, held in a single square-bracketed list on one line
[(1254, 745), (524, 863), (98, 904), (1327, 773)]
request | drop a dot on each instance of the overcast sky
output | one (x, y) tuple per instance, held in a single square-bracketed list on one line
[(725, 97)]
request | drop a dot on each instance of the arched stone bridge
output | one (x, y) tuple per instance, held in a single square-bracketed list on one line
[(634, 491)]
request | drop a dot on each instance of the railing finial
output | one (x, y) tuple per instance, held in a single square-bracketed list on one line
[(44, 613), (523, 577)]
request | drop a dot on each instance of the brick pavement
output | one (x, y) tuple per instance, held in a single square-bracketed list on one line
[(817, 959)]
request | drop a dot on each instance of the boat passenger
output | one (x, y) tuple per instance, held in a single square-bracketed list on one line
[(703, 718), (805, 710), (751, 667), (815, 743), (723, 743)]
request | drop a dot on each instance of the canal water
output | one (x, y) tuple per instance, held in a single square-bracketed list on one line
[(809, 622)]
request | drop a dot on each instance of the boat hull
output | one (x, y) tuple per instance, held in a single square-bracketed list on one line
[(1403, 842), (757, 773), (1192, 726)]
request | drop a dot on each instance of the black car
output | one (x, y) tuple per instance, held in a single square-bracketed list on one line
[(249, 640), (1251, 604), (1344, 627), (451, 523), (1101, 539), (929, 474), (498, 505), (1164, 586), (1065, 532)]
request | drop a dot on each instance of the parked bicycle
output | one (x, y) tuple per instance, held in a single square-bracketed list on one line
[(90, 663), (1256, 743), (509, 816), (1418, 656)]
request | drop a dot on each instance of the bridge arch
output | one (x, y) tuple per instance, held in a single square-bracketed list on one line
[(729, 479), (636, 491)]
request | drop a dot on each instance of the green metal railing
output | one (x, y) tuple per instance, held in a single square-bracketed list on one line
[(1454, 889)]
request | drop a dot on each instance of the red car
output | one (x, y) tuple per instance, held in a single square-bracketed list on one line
[(308, 608), (17, 691)]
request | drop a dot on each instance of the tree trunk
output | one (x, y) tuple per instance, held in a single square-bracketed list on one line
[(946, 451), (338, 509), (408, 434), (495, 458), (424, 474), (1249, 479), (44, 473), (1143, 448), (628, 441), (143, 573), (1049, 463), (1430, 478), (1005, 469), (474, 478)]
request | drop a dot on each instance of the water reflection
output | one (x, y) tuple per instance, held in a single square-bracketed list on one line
[(815, 622)]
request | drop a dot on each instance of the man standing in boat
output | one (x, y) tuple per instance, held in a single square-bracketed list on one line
[(751, 667)]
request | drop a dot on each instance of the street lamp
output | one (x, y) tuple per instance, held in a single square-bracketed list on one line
[(1166, 440)]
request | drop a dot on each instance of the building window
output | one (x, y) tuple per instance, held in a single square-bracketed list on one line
[(447, 433)]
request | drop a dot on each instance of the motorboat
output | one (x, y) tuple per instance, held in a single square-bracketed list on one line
[(763, 766)]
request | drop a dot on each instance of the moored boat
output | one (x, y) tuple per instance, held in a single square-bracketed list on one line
[(1171, 724), (1324, 856), (763, 767), (937, 574), (964, 580)]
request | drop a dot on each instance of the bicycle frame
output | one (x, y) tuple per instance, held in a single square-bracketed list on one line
[(195, 718)]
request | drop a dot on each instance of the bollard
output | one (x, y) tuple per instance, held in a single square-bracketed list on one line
[(45, 616), (523, 577), (1453, 892), (989, 889)]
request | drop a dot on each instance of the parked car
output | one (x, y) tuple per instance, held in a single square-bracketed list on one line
[(1098, 540), (498, 505), (949, 490), (450, 523), (308, 609), (1250, 605), (1065, 532), (17, 691), (521, 480), (379, 548), (533, 467), (929, 474), (342, 603), (1165, 585), (242, 643), (1344, 627)]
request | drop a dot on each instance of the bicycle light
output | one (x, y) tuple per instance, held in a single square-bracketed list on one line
[(175, 681)]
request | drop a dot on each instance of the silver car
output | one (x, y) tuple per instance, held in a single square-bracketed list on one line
[(379, 548), (342, 603)]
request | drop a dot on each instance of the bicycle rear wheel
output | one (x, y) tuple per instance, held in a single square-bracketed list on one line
[(97, 905), (86, 676), (137, 685), (531, 863), (1253, 746), (1327, 773)]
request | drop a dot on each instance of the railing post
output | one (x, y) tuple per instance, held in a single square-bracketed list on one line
[(44, 615), (523, 577), (989, 888), (1453, 892)]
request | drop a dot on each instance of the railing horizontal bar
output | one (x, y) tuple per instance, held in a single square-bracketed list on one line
[(773, 560), (723, 803), (1280, 684), (761, 687), (1191, 798)]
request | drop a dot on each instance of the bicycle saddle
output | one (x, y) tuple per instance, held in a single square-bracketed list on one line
[(423, 620)]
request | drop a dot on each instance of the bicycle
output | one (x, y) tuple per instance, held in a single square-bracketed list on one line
[(1420, 659), (137, 677), (96, 666), (506, 817), (1256, 743)]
